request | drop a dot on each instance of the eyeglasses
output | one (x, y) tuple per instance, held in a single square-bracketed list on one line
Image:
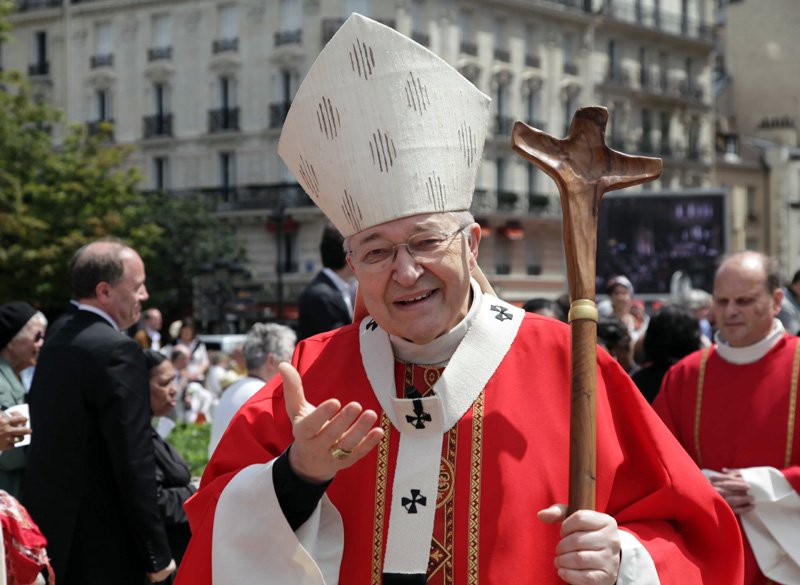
[(378, 255), (38, 337)]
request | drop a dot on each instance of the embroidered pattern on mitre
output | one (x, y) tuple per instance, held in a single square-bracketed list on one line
[(382, 128)]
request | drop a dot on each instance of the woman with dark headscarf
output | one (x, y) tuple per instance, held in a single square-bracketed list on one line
[(173, 478), (21, 337)]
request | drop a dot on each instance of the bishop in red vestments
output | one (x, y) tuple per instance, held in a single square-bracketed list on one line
[(429, 441), (734, 409)]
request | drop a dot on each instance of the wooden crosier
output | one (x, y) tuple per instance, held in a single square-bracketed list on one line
[(584, 168)]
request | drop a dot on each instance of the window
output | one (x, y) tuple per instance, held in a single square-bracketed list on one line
[(40, 56), (647, 128), (569, 109), (291, 15), (162, 31), (102, 105), (663, 66), (161, 173), (752, 205), (227, 22), (227, 92), (227, 172), (666, 119), (161, 97), (103, 44), (500, 180)]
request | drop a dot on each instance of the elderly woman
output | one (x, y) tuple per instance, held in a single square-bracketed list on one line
[(21, 337), (173, 479)]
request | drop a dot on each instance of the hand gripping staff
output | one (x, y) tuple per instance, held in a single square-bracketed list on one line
[(584, 168)]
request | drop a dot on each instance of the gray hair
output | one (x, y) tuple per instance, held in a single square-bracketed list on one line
[(38, 318), (268, 338)]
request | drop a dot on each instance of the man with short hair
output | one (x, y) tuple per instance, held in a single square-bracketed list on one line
[(266, 346), (733, 408), (326, 303), (149, 337), (90, 480), (417, 444)]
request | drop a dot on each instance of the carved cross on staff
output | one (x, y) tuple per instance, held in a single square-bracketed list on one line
[(584, 168)]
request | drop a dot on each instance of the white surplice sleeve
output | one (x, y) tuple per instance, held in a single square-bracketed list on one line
[(253, 542)]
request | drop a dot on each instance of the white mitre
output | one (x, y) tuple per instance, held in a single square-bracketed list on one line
[(382, 128)]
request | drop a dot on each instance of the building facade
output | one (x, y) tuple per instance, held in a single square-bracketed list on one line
[(200, 88)]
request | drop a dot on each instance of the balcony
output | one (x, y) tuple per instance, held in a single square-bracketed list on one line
[(223, 120), (329, 28), (159, 53), (533, 61), (616, 75), (104, 60), (102, 128), (157, 126), (664, 21), (645, 145), (23, 5), (617, 142), (468, 48), (422, 38), (570, 68), (502, 55), (39, 69), (225, 46), (266, 197), (288, 37), (277, 113), (503, 125), (538, 124)]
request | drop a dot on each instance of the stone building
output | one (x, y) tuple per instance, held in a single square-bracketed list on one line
[(200, 89)]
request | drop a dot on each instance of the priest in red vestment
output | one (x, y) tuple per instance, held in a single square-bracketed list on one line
[(429, 441), (734, 409)]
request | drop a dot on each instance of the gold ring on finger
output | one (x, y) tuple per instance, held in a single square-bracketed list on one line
[(338, 453)]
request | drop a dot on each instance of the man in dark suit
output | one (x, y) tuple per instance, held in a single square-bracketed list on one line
[(326, 302), (90, 482)]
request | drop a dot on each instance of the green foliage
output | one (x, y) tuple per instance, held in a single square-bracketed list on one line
[(191, 441), (53, 199)]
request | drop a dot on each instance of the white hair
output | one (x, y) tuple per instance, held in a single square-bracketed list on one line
[(268, 338)]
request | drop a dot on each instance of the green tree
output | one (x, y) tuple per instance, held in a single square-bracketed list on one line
[(55, 198)]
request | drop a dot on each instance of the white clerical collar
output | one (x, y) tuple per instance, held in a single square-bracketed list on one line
[(440, 350), (101, 312), (751, 353)]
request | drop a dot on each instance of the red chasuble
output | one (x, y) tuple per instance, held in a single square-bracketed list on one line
[(742, 420), (506, 459)]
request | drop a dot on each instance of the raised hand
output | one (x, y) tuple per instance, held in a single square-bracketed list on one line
[(328, 437), (588, 553)]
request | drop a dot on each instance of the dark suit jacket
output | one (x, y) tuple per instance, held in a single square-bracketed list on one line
[(90, 482), (321, 308)]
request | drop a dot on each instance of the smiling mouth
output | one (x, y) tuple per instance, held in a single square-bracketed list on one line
[(421, 297)]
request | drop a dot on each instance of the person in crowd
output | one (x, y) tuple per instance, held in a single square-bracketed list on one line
[(326, 302), (418, 443), (622, 306), (220, 362), (733, 408), (173, 478), (90, 479), (789, 314), (198, 354), (700, 303), (149, 336), (616, 338), (22, 331), (546, 307), (672, 334), (194, 401), (266, 346)]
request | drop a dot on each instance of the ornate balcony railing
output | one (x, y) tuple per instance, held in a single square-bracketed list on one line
[(223, 120), (225, 45), (158, 125), (159, 53), (104, 60)]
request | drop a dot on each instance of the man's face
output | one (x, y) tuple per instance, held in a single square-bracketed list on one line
[(154, 320), (620, 298), (123, 300), (415, 299), (743, 307)]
